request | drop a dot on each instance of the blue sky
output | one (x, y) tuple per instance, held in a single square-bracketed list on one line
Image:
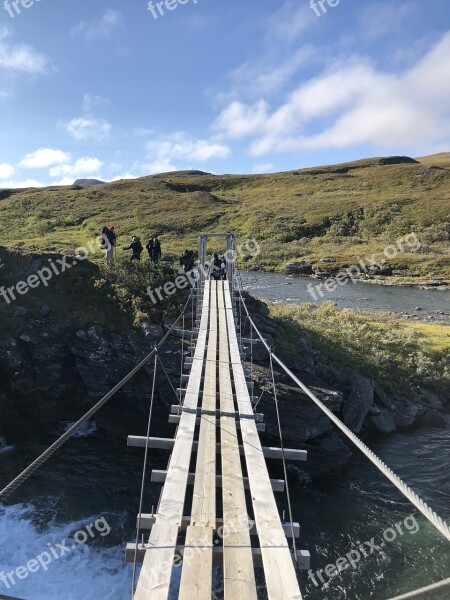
[(103, 89)]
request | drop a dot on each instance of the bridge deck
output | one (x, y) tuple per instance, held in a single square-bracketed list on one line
[(228, 447)]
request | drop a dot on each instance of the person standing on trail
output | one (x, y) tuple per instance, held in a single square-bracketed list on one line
[(149, 247), (215, 267), (156, 250), (223, 268), (108, 245), (136, 248)]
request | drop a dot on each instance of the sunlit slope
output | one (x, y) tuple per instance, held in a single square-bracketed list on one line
[(344, 211)]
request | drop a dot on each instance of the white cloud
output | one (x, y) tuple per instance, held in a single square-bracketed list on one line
[(91, 101), (239, 120), (103, 28), (27, 183), (350, 104), (6, 171), (383, 18), (43, 158), (179, 146), (83, 167), (5, 31), (21, 59), (270, 73), (85, 128), (290, 21)]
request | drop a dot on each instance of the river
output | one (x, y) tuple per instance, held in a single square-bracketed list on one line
[(385, 298), (96, 477)]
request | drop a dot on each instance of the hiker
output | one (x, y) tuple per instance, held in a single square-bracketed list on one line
[(149, 247), (187, 260), (136, 248), (108, 244), (223, 268), (156, 250), (215, 267)]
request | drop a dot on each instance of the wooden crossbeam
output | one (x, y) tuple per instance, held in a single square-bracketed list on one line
[(178, 409), (148, 520), (140, 441), (174, 419), (303, 557), (160, 476)]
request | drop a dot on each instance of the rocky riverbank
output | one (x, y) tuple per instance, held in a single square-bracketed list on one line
[(51, 372)]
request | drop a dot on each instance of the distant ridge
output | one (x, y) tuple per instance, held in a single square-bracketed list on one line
[(88, 182)]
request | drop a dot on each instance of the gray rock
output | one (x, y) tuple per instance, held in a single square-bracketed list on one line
[(383, 422), (45, 310), (404, 421), (358, 403), (21, 312), (432, 399), (302, 267), (153, 332), (382, 396), (433, 418)]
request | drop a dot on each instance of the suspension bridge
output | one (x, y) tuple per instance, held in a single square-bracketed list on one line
[(218, 505)]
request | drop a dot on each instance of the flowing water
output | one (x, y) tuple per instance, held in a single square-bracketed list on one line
[(95, 477), (290, 289)]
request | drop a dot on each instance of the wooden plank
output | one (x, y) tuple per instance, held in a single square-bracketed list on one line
[(148, 520), (140, 441), (238, 567), (174, 419), (160, 476), (196, 576), (156, 573), (280, 574)]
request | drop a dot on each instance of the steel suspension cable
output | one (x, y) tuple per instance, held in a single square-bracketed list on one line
[(144, 473), (421, 591), (420, 504), (288, 495)]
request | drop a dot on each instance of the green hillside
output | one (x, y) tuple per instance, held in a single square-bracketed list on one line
[(345, 211)]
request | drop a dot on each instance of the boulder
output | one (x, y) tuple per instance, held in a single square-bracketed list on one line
[(381, 396), (384, 423), (358, 403), (302, 267), (433, 418), (432, 400), (153, 332)]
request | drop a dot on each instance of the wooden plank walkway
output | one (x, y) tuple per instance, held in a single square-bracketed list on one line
[(229, 459)]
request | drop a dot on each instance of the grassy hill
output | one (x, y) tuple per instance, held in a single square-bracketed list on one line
[(344, 211)]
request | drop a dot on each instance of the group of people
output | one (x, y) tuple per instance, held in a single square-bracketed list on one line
[(218, 267), (110, 241), (153, 248)]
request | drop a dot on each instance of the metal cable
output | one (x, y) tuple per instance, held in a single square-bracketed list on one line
[(144, 472), (48, 453), (420, 504), (429, 588), (288, 495), (178, 397)]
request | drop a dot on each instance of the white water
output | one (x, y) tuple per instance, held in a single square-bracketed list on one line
[(4, 445), (88, 428), (90, 571)]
